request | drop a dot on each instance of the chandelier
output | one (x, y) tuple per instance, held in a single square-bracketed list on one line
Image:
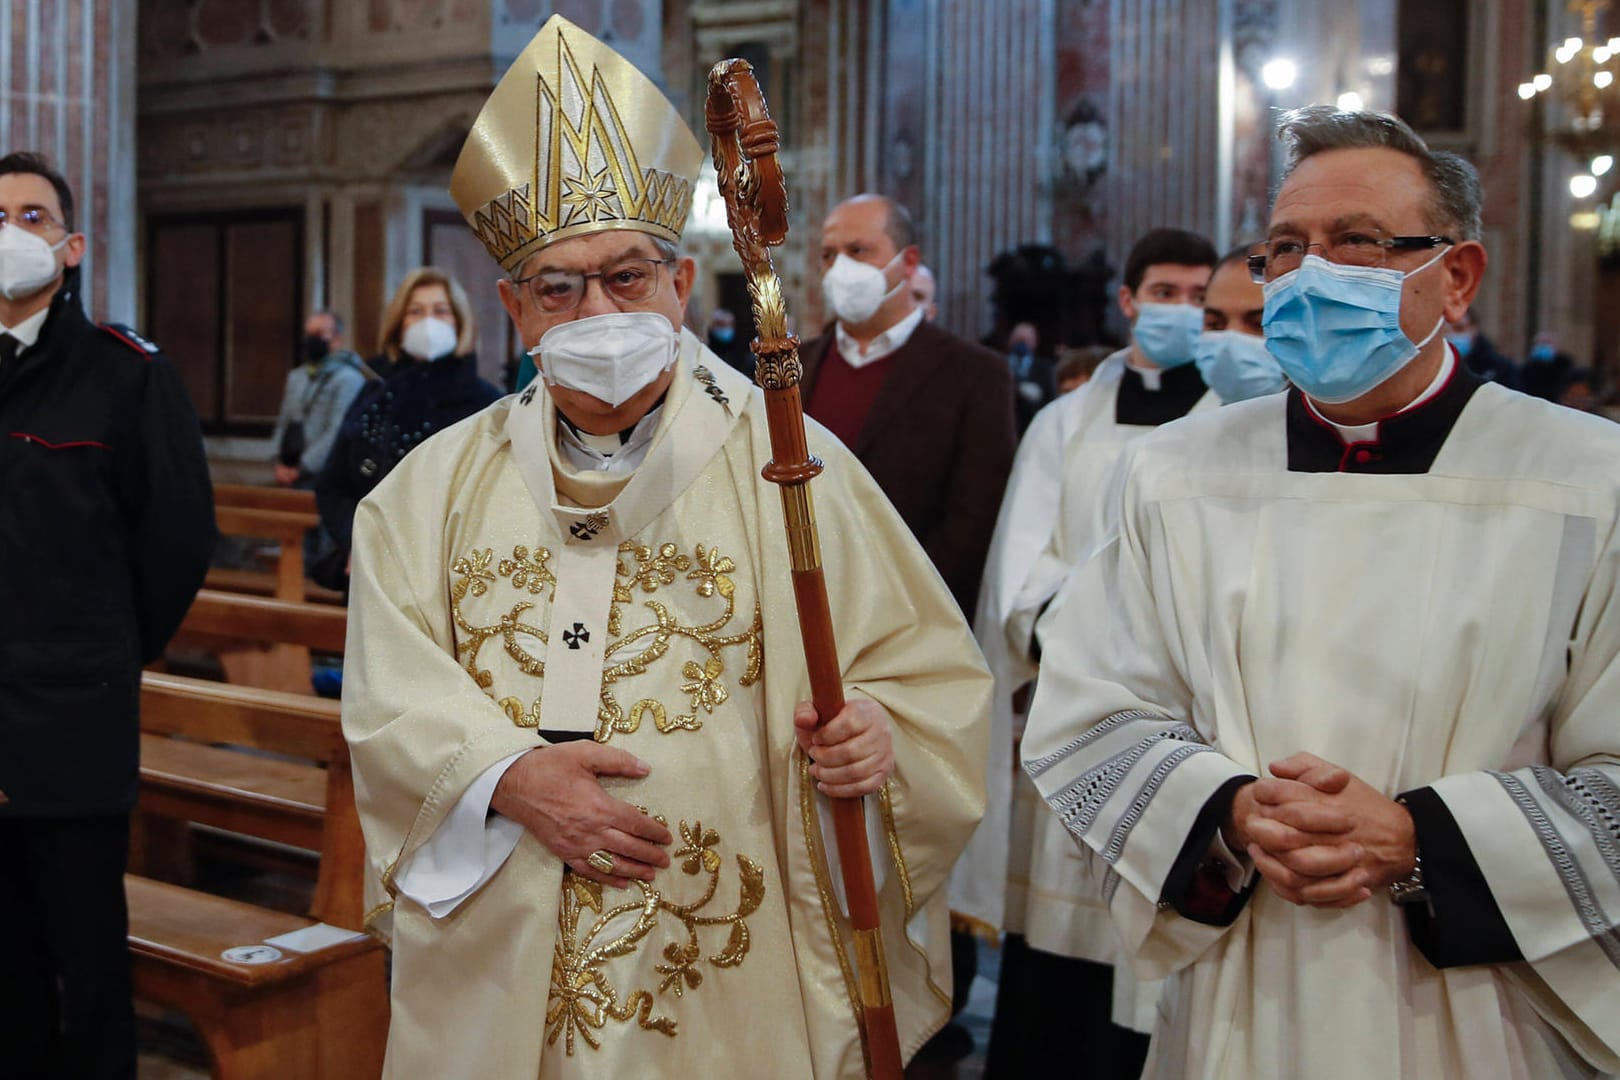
[(1582, 75)]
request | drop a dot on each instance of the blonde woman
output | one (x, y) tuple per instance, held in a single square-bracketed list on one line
[(429, 382)]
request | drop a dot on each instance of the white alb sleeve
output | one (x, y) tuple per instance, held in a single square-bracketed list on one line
[(465, 851)]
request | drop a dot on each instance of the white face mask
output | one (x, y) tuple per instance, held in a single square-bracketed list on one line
[(431, 338), (611, 357), (27, 262), (855, 290)]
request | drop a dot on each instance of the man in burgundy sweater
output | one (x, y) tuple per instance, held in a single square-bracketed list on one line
[(929, 414)]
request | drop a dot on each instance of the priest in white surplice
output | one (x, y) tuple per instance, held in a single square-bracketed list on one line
[(574, 676), (1333, 711)]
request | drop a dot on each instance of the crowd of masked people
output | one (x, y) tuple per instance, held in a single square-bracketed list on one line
[(934, 417)]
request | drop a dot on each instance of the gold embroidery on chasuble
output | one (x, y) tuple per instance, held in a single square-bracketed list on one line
[(643, 571), (628, 957), (589, 934)]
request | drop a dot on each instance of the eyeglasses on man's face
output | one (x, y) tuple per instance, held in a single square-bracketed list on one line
[(628, 281), (33, 219), (1364, 246)]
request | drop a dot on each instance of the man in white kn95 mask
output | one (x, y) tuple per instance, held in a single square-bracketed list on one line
[(106, 530), (575, 692)]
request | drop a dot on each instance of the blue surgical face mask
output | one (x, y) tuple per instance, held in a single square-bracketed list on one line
[(723, 334), (1166, 333), (1543, 352), (1336, 330), (1237, 366)]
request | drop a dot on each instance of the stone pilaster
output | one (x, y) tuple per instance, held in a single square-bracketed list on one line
[(68, 72)]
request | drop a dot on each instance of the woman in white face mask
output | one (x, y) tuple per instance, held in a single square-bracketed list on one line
[(429, 382)]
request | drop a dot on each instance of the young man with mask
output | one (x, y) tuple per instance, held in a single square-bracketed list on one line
[(1060, 947), (575, 686), (1231, 353), (1331, 710), (928, 413), (320, 389), (106, 528)]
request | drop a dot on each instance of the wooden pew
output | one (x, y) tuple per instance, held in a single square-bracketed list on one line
[(279, 500), (322, 1015), (260, 497), (262, 641), (286, 527), (264, 583)]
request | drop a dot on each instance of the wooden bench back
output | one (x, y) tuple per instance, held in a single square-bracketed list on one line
[(262, 619), (285, 527), (259, 497), (292, 724)]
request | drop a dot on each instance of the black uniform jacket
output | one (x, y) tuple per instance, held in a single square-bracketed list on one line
[(106, 530)]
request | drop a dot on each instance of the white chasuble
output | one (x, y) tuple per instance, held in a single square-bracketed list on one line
[(499, 595), (1450, 633)]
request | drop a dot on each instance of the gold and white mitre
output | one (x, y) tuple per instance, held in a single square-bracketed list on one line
[(574, 140)]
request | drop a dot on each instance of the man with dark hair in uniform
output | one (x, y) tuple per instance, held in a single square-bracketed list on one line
[(106, 529)]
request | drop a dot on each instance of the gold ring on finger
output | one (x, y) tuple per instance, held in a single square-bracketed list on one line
[(601, 861)]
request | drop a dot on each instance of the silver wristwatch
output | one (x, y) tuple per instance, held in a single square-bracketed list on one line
[(1410, 889)]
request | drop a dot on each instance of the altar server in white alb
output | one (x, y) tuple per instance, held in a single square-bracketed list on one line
[(1336, 708), (1060, 944), (575, 682)]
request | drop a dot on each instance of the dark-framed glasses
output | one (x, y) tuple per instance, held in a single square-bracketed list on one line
[(1271, 259), (33, 219), (628, 281)]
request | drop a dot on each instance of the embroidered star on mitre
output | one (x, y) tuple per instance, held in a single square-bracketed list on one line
[(589, 197)]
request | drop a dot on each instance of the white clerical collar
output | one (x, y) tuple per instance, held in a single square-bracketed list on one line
[(1358, 433), (616, 453), (1152, 377), (882, 345), (28, 330)]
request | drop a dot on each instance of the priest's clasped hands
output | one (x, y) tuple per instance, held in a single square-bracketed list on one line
[(554, 791), (1319, 834)]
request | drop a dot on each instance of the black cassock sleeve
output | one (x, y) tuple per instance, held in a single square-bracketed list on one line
[(1461, 923)]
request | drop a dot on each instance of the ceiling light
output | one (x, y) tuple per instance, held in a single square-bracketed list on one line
[(1279, 74)]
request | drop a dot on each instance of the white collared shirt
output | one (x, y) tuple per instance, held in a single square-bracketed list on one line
[(1359, 433), (881, 346), (1152, 377), (585, 452), (28, 330)]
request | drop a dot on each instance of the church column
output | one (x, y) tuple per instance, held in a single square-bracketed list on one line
[(68, 69), (1163, 120), (987, 154)]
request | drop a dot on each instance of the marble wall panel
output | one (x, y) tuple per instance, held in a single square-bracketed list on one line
[(68, 77)]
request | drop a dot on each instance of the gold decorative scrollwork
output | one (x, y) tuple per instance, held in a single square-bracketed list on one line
[(650, 569), (641, 568), (526, 573), (584, 997)]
